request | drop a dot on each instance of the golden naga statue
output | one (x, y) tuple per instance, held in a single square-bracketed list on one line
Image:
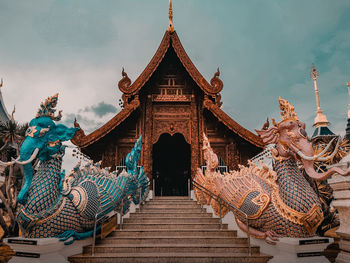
[(279, 202)]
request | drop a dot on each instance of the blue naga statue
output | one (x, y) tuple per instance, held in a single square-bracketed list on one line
[(55, 205)]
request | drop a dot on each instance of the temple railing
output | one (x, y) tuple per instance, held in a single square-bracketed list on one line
[(222, 203), (265, 156)]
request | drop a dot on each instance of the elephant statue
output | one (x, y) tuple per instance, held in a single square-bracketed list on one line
[(279, 202), (55, 205)]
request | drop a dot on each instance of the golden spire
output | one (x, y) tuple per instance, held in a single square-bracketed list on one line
[(171, 25), (321, 119)]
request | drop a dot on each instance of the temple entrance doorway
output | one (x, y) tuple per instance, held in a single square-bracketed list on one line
[(171, 165)]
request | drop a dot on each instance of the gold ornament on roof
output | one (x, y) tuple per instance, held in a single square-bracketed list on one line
[(171, 25), (287, 110)]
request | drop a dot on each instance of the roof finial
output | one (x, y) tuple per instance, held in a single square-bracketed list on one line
[(171, 25), (321, 119), (13, 113)]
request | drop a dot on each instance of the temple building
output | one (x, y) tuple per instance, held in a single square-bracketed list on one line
[(171, 105)]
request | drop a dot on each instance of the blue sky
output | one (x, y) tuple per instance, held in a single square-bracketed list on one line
[(264, 50)]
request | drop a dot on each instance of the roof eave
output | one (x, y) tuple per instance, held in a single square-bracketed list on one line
[(233, 125), (83, 141)]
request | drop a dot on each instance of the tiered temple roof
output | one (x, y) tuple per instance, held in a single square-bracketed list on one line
[(130, 90)]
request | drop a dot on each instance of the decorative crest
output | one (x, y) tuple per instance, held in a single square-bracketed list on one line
[(287, 110), (266, 124), (171, 25), (125, 82), (47, 108), (216, 82)]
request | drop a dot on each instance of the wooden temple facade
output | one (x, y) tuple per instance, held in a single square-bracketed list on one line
[(171, 105)]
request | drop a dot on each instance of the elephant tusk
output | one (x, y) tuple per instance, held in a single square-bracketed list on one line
[(6, 163), (35, 153), (317, 157), (305, 157), (325, 149), (10, 163), (324, 159)]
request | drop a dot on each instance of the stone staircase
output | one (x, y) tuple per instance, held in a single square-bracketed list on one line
[(171, 229)]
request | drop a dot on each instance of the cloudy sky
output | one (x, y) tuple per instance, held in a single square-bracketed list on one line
[(264, 49)]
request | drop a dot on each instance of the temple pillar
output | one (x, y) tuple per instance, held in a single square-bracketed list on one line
[(341, 191), (195, 153), (147, 151)]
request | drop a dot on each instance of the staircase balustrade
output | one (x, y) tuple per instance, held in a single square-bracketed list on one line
[(236, 211)]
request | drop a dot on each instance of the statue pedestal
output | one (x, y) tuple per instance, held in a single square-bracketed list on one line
[(341, 191), (295, 250), (38, 250)]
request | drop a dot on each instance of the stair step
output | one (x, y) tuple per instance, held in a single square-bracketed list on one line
[(172, 229), (170, 210), (173, 233), (170, 257), (160, 202), (173, 226), (174, 240), (171, 198), (171, 220), (173, 214), (174, 205), (170, 248), (172, 201)]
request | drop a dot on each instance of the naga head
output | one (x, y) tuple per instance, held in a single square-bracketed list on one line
[(209, 156), (133, 157), (291, 141), (43, 140)]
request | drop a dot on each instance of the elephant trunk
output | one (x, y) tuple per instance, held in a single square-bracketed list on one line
[(310, 170), (28, 153), (28, 175), (307, 157)]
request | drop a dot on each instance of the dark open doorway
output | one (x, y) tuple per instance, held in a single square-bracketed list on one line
[(171, 165)]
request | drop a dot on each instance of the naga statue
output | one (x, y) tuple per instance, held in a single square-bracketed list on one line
[(279, 202), (55, 205)]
